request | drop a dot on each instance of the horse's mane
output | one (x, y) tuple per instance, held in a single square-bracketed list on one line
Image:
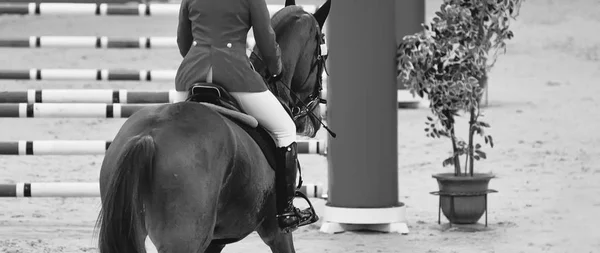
[(295, 29), (287, 14), (292, 23)]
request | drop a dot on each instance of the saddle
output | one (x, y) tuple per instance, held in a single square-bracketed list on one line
[(221, 101)]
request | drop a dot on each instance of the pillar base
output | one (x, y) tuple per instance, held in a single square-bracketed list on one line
[(334, 228), (341, 219)]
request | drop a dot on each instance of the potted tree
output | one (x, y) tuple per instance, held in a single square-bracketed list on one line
[(448, 62)]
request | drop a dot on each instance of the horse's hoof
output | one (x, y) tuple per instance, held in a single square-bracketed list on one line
[(315, 218)]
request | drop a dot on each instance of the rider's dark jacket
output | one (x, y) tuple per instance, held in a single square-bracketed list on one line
[(213, 33)]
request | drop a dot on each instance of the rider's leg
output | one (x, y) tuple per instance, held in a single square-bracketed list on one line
[(265, 107)]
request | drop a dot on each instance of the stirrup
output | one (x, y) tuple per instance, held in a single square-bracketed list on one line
[(313, 217), (295, 212)]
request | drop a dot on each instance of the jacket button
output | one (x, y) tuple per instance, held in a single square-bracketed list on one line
[(229, 45), (194, 43)]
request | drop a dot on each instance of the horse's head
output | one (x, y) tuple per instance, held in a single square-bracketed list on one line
[(300, 38)]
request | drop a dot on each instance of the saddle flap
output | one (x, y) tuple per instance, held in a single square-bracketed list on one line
[(242, 117)]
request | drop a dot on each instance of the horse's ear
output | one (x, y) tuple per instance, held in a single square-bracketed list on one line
[(290, 2), (322, 13)]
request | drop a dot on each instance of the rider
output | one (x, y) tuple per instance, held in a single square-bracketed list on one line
[(211, 36)]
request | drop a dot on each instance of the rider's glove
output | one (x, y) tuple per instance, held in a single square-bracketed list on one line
[(271, 78)]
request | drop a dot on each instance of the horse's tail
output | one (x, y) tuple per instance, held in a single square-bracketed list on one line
[(121, 218)]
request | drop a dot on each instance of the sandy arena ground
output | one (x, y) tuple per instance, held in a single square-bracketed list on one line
[(544, 117)]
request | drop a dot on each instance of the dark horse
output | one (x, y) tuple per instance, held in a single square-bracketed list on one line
[(193, 178)]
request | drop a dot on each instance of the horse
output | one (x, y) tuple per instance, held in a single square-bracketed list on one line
[(196, 175)]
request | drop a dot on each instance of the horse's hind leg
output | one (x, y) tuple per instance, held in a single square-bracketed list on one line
[(214, 248), (183, 236), (272, 236), (181, 214)]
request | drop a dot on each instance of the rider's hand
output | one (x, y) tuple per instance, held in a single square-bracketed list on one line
[(274, 75), (271, 78), (275, 78)]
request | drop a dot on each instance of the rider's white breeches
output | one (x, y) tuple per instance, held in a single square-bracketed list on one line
[(269, 113)]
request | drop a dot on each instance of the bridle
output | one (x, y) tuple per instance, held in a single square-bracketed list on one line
[(313, 100), (302, 107)]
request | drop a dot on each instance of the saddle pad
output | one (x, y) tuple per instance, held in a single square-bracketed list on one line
[(244, 118)]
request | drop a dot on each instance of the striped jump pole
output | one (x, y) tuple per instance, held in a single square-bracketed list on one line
[(108, 96), (95, 96), (88, 42), (99, 147), (78, 110), (75, 110), (97, 42), (91, 74), (104, 9), (88, 74), (91, 190)]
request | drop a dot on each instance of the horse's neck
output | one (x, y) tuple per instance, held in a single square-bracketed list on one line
[(303, 76)]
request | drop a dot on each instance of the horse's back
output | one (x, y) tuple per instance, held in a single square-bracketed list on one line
[(177, 129), (191, 142), (202, 160)]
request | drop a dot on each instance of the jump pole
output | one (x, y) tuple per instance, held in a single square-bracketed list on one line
[(362, 109), (90, 190), (99, 147)]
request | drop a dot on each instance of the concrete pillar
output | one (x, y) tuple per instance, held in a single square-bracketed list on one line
[(410, 14), (362, 109)]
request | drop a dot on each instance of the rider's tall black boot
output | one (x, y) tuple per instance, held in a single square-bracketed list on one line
[(288, 216)]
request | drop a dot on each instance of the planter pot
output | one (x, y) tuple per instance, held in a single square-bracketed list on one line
[(463, 199)]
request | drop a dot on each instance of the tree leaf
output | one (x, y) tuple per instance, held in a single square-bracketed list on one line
[(477, 146), (491, 141), (476, 129), (484, 124), (481, 153), (448, 161)]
